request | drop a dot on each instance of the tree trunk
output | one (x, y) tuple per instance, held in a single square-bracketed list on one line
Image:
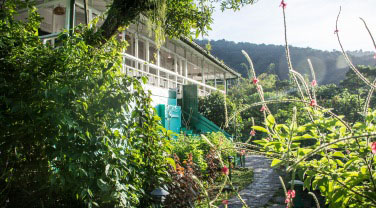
[(122, 13)]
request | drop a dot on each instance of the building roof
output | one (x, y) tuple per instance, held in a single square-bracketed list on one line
[(209, 56)]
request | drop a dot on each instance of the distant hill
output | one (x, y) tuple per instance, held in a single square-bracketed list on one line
[(330, 67)]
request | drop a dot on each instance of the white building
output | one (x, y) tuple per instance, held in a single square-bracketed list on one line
[(176, 63)]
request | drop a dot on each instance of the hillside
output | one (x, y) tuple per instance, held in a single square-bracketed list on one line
[(330, 67)]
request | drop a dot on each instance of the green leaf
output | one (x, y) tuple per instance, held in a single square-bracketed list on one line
[(275, 162), (342, 131), (338, 154), (171, 162), (103, 185), (259, 128), (301, 129), (339, 162), (270, 121), (107, 169), (260, 142), (84, 104), (303, 151), (144, 79), (363, 170), (307, 182)]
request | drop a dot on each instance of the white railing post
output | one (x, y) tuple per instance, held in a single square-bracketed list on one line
[(167, 71)]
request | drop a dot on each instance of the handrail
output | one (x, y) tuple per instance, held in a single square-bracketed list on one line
[(52, 36), (169, 72), (49, 36)]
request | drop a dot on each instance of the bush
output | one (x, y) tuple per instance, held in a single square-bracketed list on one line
[(184, 146), (213, 108), (197, 165), (199, 148), (74, 130)]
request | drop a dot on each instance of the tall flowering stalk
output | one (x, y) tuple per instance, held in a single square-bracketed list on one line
[(342, 157)]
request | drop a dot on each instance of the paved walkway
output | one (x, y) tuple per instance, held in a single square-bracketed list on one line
[(265, 183)]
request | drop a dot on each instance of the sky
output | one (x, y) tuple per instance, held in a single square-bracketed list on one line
[(310, 23)]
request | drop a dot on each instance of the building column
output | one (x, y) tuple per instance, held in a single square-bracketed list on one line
[(185, 66), (181, 66), (147, 56), (90, 14), (69, 14), (176, 70), (225, 82), (215, 78), (136, 64), (158, 72), (123, 39), (136, 45), (203, 74)]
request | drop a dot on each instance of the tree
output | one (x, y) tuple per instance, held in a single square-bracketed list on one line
[(173, 18)]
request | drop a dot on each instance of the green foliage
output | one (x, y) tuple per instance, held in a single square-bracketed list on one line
[(172, 18), (74, 130), (338, 161), (213, 108), (354, 83), (183, 146), (221, 144), (329, 66)]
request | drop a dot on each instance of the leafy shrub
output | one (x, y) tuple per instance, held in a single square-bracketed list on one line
[(198, 147), (184, 189), (213, 108), (185, 146), (199, 164), (221, 143), (74, 130), (339, 163)]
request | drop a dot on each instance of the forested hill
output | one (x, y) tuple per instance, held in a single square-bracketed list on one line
[(330, 67)]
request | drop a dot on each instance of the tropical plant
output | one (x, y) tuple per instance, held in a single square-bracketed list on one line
[(75, 131), (327, 153), (214, 108)]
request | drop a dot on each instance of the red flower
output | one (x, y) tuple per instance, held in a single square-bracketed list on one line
[(262, 108), (283, 4), (373, 147), (374, 56), (313, 102), (252, 133), (336, 31), (225, 202), (313, 83), (242, 152), (291, 193), (255, 80), (225, 170)]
